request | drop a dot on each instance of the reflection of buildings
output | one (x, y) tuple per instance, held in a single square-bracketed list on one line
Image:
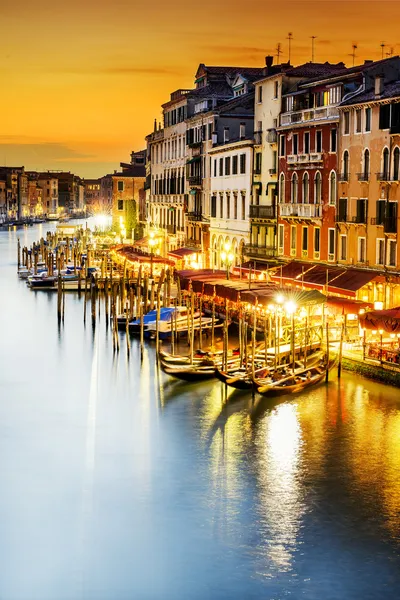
[(92, 195)]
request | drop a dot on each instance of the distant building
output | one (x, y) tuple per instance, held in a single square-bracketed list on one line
[(92, 195), (16, 186)]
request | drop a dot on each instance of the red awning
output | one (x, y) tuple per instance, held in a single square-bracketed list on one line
[(182, 252), (388, 320), (346, 306)]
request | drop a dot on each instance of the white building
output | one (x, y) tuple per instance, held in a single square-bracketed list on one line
[(231, 192)]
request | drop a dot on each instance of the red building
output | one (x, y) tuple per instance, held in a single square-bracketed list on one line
[(308, 143)]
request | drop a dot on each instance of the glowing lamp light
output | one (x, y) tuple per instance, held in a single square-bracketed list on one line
[(227, 246), (290, 307), (361, 311), (279, 299), (373, 332), (380, 331), (223, 256), (392, 336), (378, 305)]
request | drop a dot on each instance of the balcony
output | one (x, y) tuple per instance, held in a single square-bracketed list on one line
[(257, 170), (193, 216), (310, 114), (302, 211), (195, 144), (272, 171), (262, 212), (316, 157), (363, 176), (272, 136), (377, 221), (259, 251), (294, 159), (258, 138), (341, 218), (195, 180), (343, 177), (359, 219), (383, 176)]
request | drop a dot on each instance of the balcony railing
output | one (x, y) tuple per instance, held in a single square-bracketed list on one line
[(363, 176), (272, 136), (341, 218), (257, 170), (193, 216), (258, 138), (361, 219), (259, 251), (343, 177), (195, 144), (383, 176), (310, 114), (293, 159), (301, 210), (262, 212), (272, 171), (195, 180)]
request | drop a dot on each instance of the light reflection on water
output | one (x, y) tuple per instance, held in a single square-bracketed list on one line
[(119, 482)]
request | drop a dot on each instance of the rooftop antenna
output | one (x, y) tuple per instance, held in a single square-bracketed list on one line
[(313, 37), (383, 48), (278, 51), (290, 37), (353, 54), (391, 51)]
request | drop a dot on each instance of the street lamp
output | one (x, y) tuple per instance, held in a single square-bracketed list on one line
[(152, 244), (227, 257), (381, 334)]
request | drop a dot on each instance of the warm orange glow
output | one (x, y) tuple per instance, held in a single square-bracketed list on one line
[(85, 80)]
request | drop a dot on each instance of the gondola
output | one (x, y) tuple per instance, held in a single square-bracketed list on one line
[(199, 356), (294, 383), (189, 372)]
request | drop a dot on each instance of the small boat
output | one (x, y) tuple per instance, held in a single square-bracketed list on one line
[(198, 357), (189, 372), (294, 383)]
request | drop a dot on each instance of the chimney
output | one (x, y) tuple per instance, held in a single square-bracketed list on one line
[(155, 124), (378, 85), (368, 61), (268, 61)]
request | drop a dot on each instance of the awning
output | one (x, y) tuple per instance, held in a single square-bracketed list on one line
[(193, 160), (330, 279), (142, 242), (182, 252), (346, 306), (386, 320)]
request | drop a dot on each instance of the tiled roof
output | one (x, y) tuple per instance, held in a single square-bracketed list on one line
[(390, 90), (256, 71), (213, 89), (245, 101), (311, 70)]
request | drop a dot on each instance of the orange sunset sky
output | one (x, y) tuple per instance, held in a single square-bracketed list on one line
[(83, 80)]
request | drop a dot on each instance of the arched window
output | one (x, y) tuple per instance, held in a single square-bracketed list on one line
[(281, 188), (385, 165), (396, 164), (345, 165), (294, 189), (317, 188), (332, 188), (306, 189), (366, 165)]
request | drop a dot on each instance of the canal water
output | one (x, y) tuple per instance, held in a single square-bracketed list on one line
[(117, 482)]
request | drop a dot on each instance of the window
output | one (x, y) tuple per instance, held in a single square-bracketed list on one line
[(317, 188), (221, 167), (258, 163), (346, 123), (333, 147), (221, 206), (361, 249), (358, 120), (235, 206), (318, 141), (361, 211), (295, 146), (343, 247), (276, 89), (317, 240), (228, 165), (293, 234), (120, 205), (226, 134), (294, 189), (332, 188), (120, 186), (280, 237), (391, 258), (242, 130), (304, 244), (342, 216), (282, 188), (307, 143), (345, 165), (234, 164), (228, 206), (380, 212), (367, 119), (213, 206), (242, 164), (243, 207), (306, 188), (380, 251), (331, 244), (384, 116), (282, 145), (366, 165), (396, 164), (260, 93), (215, 167), (385, 165)]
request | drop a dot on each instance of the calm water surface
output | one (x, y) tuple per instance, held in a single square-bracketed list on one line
[(120, 483)]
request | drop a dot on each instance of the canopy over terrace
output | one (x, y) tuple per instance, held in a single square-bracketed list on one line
[(135, 255), (215, 283), (330, 279), (386, 320)]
